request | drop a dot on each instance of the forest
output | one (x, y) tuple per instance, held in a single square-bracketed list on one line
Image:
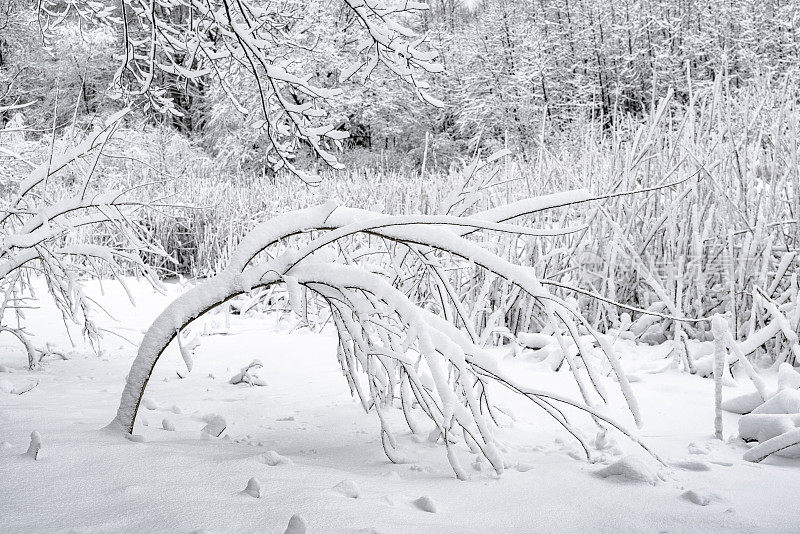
[(398, 266)]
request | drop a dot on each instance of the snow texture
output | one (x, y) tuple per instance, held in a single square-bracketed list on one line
[(632, 468), (348, 488), (297, 525), (426, 504), (253, 488), (35, 446)]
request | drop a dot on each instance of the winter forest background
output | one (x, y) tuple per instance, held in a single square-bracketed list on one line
[(555, 241)]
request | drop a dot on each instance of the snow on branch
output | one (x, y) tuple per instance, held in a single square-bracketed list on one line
[(166, 43), (39, 235), (392, 344)]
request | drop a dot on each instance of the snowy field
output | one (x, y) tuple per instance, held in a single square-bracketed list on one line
[(314, 452)]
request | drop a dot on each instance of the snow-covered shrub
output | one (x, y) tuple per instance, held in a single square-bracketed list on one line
[(394, 342), (43, 226)]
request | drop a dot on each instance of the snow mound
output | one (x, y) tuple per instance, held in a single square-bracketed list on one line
[(788, 378), (775, 424), (348, 488), (699, 498), (167, 425), (534, 340), (297, 525), (253, 488), (705, 367), (631, 468), (150, 404), (36, 444), (602, 442), (743, 404), (6, 386), (785, 401), (523, 467), (272, 458), (426, 504), (694, 448)]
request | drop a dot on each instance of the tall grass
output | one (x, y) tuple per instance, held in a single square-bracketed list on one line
[(721, 239)]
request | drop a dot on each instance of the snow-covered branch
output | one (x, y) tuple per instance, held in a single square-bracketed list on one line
[(388, 342)]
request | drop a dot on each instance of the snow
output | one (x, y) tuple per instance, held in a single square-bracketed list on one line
[(348, 488), (425, 504), (297, 525), (35, 446), (696, 497), (743, 404), (272, 458), (253, 488), (631, 468), (186, 480)]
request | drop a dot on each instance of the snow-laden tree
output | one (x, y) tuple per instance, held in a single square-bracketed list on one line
[(394, 347), (44, 234), (166, 44)]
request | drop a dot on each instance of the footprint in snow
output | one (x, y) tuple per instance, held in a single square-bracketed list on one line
[(694, 448), (691, 465), (150, 404), (631, 468), (700, 498), (523, 467)]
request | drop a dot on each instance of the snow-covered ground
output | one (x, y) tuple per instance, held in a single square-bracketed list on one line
[(314, 452)]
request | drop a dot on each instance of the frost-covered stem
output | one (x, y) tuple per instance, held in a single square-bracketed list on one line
[(773, 445), (32, 352), (719, 328), (758, 382)]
